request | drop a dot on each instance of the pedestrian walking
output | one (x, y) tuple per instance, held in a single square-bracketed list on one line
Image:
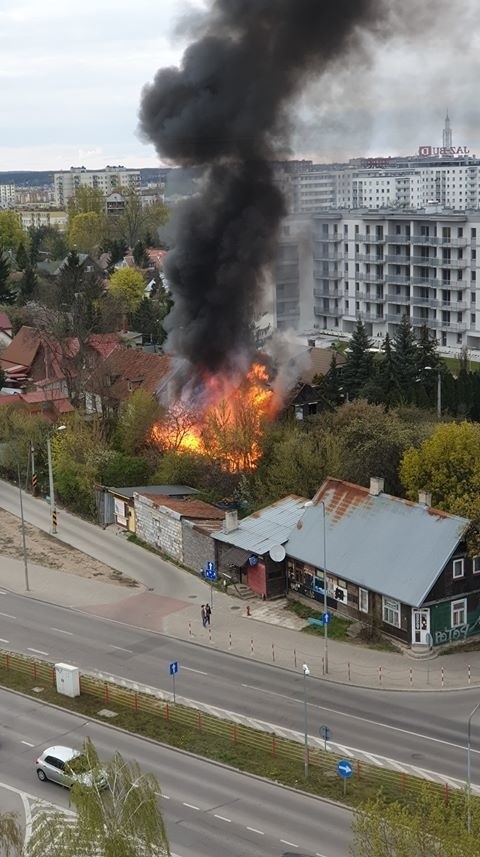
[(203, 614), (208, 613)]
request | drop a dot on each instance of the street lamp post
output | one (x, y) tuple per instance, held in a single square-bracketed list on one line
[(53, 510), (24, 543), (325, 604), (469, 769), (306, 672)]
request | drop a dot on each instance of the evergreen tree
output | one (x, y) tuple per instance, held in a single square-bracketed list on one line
[(405, 360), (70, 279), (28, 284), (6, 294), (387, 376), (140, 255), (22, 257), (331, 387), (359, 366)]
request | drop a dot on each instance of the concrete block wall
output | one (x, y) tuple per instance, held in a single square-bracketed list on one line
[(161, 527), (145, 528), (198, 546)]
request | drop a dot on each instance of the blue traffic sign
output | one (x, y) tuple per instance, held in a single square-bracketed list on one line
[(211, 571), (326, 617), (325, 733), (174, 668), (344, 768)]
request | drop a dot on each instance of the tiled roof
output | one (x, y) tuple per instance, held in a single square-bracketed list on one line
[(126, 370), (189, 508), (22, 350), (5, 323)]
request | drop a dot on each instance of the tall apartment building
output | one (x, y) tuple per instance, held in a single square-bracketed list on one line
[(107, 180), (7, 195), (379, 266)]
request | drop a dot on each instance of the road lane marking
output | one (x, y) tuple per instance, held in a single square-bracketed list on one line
[(361, 719), (286, 842), (191, 806), (222, 818), (191, 670), (37, 651), (2, 593), (121, 649), (61, 631), (8, 615), (4, 641), (254, 830), (27, 743)]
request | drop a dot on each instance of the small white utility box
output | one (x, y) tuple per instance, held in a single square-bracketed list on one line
[(67, 679)]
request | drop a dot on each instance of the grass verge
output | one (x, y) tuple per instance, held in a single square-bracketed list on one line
[(337, 628), (240, 747)]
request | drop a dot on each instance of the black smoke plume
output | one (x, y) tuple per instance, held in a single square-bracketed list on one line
[(226, 108)]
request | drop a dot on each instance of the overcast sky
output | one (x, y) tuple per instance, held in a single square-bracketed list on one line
[(72, 71)]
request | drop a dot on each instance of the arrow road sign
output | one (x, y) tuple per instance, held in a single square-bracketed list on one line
[(174, 668), (326, 617), (344, 768), (211, 571)]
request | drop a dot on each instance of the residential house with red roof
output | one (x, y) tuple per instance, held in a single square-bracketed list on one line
[(120, 374)]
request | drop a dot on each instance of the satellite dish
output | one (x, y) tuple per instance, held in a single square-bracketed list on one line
[(277, 553)]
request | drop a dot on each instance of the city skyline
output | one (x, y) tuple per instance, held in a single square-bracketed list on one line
[(73, 75)]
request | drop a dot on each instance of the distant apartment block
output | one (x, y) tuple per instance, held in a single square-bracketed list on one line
[(107, 180), (32, 218), (7, 195), (335, 267)]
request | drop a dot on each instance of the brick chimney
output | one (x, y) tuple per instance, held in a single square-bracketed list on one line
[(231, 521), (377, 485), (425, 498)]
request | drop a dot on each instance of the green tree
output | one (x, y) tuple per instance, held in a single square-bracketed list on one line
[(70, 280), (405, 360), (137, 417), (359, 366), (11, 835), (429, 363), (86, 231), (78, 455), (46, 240), (387, 378), (128, 287), (140, 256), (121, 469), (22, 257), (424, 827), (11, 230), (86, 200), (298, 464), (137, 219), (148, 320), (332, 387), (122, 820), (6, 294), (448, 465), (116, 248), (28, 285)]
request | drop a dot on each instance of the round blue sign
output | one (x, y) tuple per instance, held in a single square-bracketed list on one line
[(344, 768)]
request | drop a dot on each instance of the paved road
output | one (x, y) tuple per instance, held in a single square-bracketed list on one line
[(209, 810), (423, 729)]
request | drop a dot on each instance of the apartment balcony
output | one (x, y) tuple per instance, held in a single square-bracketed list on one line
[(398, 299), (327, 275), (428, 302), (369, 257), (327, 293), (420, 321), (453, 242), (428, 261), (331, 238), (370, 239), (428, 282), (396, 318), (371, 316), (318, 256), (398, 279), (429, 240), (455, 326), (370, 278), (398, 239), (453, 263), (398, 260), (332, 313), (453, 306)]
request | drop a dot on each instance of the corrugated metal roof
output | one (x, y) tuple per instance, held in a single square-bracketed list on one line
[(267, 527), (385, 544), (167, 490)]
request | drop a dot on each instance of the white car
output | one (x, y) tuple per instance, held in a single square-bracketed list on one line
[(67, 766)]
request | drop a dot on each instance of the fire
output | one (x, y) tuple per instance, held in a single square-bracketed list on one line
[(226, 423)]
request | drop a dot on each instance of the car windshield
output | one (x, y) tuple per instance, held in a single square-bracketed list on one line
[(78, 765)]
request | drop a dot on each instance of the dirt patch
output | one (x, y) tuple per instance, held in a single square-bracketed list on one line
[(43, 549)]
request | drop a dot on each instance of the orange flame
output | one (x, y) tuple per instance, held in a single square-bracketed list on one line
[(228, 428)]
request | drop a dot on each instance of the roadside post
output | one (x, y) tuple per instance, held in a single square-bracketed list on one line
[(211, 575), (326, 734), (173, 672), (345, 769)]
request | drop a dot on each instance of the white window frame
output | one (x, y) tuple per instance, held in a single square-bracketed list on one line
[(363, 600), (454, 608), (391, 608), (456, 562), (476, 564)]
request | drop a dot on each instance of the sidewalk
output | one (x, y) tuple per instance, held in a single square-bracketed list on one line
[(248, 636)]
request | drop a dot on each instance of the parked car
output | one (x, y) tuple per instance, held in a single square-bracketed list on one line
[(67, 766)]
